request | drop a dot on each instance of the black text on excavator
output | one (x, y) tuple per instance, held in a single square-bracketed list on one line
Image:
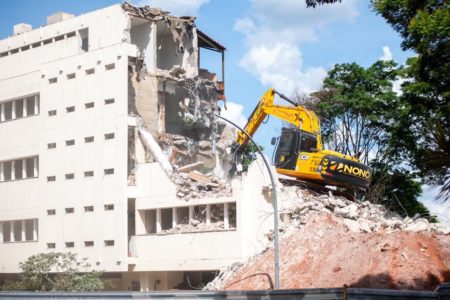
[(299, 152)]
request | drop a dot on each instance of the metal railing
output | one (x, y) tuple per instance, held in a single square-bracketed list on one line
[(441, 293)]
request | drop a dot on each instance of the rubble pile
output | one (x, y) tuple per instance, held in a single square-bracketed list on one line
[(298, 204), (197, 185), (328, 241)]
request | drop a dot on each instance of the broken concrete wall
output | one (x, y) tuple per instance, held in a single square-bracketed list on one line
[(176, 105)]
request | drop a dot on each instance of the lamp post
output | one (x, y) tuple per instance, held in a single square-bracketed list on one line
[(274, 198)]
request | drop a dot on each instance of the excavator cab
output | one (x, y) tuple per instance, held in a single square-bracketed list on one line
[(290, 144)]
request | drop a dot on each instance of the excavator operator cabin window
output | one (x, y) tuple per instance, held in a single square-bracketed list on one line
[(307, 143)]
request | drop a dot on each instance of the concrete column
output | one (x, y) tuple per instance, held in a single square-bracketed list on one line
[(13, 170), (191, 214), (143, 280), (11, 233), (1, 232), (2, 112), (36, 105), (35, 229), (158, 220), (226, 216), (13, 110), (24, 237), (24, 168), (208, 214), (25, 102), (35, 167), (174, 217), (2, 171)]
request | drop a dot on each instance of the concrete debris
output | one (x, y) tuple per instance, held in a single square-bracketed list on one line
[(197, 185), (153, 146), (179, 26), (341, 222), (190, 167)]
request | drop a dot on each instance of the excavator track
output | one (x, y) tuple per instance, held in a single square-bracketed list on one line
[(318, 188)]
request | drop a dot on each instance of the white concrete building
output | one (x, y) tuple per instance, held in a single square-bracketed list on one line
[(74, 174)]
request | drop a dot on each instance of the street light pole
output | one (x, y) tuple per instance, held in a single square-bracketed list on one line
[(274, 198)]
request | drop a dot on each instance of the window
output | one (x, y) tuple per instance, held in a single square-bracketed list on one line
[(29, 229), (46, 42), (90, 71), (70, 176), (88, 173), (6, 231), (70, 210), (32, 167), (59, 38), (14, 51), (19, 168), (32, 104), (307, 142), (89, 139), (71, 76), (51, 212), (19, 108), (20, 230), (109, 136), (51, 145), (35, 45), (51, 245), (8, 109), (51, 178), (25, 48), (70, 109), (84, 39), (89, 243), (70, 142), (53, 80), (71, 34), (110, 66), (109, 101), (109, 171), (52, 113), (70, 244), (89, 105), (109, 243), (89, 208), (109, 206)]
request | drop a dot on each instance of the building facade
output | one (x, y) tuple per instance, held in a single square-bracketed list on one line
[(76, 174)]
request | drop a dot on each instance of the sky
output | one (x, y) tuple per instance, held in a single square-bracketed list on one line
[(270, 43)]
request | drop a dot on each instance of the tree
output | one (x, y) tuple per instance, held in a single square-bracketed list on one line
[(355, 107), (55, 271), (423, 131), (358, 108)]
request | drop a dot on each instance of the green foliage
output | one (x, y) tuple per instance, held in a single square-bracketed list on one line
[(249, 154), (55, 271), (355, 107), (422, 130), (358, 110), (398, 190)]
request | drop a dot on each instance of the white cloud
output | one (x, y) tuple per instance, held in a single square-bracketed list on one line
[(274, 33), (176, 7), (439, 208), (234, 113), (280, 66), (387, 54)]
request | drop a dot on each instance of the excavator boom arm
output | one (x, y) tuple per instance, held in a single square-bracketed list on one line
[(297, 115)]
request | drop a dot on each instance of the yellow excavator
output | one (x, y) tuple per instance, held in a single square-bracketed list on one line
[(299, 150)]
